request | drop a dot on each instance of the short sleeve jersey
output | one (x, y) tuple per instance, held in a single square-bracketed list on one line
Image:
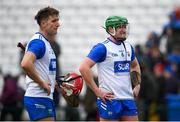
[(113, 66), (45, 65)]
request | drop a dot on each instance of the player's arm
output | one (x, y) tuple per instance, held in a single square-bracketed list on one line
[(97, 54), (85, 70), (27, 64), (135, 76), (135, 73)]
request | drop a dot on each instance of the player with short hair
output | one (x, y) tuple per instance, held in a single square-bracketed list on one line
[(39, 64), (118, 73)]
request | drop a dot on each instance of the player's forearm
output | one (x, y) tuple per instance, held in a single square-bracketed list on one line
[(135, 66), (88, 77), (30, 70), (135, 73)]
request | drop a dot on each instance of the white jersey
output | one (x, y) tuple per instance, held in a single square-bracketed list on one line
[(46, 68), (114, 69)]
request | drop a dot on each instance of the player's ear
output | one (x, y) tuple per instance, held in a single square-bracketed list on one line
[(110, 30), (43, 23)]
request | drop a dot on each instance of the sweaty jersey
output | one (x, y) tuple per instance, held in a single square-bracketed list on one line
[(113, 66), (45, 65)]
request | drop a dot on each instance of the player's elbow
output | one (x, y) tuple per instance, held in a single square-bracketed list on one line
[(24, 65), (82, 69)]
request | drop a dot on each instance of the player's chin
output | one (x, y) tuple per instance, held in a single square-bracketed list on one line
[(54, 31)]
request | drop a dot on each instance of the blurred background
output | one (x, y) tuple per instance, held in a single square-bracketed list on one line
[(154, 33)]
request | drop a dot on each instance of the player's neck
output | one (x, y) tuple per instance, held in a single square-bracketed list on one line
[(113, 39), (116, 40), (50, 38)]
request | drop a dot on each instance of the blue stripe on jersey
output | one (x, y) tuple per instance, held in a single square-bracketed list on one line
[(37, 47), (133, 54), (98, 53)]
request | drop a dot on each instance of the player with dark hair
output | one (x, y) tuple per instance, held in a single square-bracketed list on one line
[(118, 73), (39, 64)]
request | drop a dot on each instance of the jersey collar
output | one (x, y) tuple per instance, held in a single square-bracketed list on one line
[(42, 35), (117, 43)]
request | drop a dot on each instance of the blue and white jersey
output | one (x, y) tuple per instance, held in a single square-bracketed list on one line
[(113, 65), (45, 65)]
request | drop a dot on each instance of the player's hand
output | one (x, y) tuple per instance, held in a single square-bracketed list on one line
[(46, 87), (67, 92), (105, 95), (136, 90), (66, 89)]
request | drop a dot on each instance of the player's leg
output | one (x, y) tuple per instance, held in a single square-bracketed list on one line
[(47, 119), (40, 109), (129, 112), (102, 119), (129, 118), (109, 111)]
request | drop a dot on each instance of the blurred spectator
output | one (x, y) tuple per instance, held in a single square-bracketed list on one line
[(172, 83), (141, 56), (154, 56), (175, 55), (152, 40), (57, 50), (139, 53), (161, 93), (90, 103), (174, 58), (11, 99), (148, 91), (72, 114), (172, 29), (160, 72)]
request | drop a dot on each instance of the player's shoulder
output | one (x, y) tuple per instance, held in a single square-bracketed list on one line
[(127, 43), (38, 36), (105, 42), (36, 42)]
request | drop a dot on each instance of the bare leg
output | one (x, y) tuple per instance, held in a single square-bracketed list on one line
[(102, 119), (129, 118), (51, 119)]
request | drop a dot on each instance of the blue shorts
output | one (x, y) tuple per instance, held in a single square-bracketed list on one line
[(116, 108), (39, 108)]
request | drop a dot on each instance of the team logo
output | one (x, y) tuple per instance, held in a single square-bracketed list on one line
[(128, 53), (51, 52), (113, 54), (121, 66), (122, 54), (52, 66), (50, 110), (110, 113), (40, 106)]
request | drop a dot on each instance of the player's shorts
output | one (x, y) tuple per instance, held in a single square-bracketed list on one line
[(39, 108), (116, 108)]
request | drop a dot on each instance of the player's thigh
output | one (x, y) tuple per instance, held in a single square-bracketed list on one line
[(50, 119), (39, 108), (109, 120), (129, 118)]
